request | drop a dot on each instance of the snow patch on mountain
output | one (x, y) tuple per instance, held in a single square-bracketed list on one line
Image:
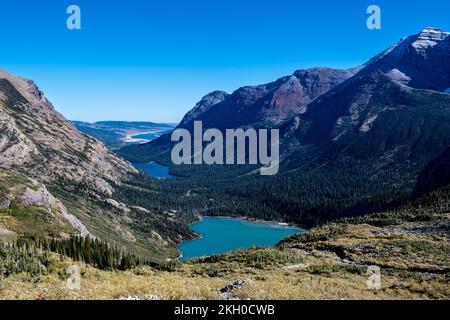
[(399, 76), (368, 123), (428, 38)]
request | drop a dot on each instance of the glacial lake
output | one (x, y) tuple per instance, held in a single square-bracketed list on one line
[(221, 234), (154, 169)]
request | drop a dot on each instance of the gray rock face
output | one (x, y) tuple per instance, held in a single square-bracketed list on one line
[(40, 197), (428, 38), (75, 222), (40, 143), (226, 293)]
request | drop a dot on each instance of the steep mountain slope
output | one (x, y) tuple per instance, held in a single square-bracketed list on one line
[(420, 61), (39, 140), (82, 176), (27, 207), (352, 148), (435, 176)]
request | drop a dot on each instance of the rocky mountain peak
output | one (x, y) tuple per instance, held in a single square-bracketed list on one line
[(428, 38), (422, 60), (208, 101), (433, 33), (214, 97), (268, 104)]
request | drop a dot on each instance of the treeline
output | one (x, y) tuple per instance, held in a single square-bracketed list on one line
[(312, 195), (32, 255), (97, 253), (17, 258), (428, 208)]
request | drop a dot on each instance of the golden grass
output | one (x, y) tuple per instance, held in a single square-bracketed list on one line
[(311, 270)]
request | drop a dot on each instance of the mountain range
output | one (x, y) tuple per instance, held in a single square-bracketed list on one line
[(365, 162), (353, 141)]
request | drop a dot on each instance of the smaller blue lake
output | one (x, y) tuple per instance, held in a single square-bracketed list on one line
[(221, 234), (154, 170)]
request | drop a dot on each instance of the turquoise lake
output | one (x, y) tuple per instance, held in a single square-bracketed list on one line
[(221, 234), (154, 170)]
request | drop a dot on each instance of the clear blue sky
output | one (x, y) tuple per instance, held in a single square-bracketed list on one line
[(153, 60)]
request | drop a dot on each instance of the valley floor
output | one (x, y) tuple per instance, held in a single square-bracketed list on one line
[(329, 262)]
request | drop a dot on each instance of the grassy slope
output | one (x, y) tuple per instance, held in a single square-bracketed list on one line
[(328, 262)]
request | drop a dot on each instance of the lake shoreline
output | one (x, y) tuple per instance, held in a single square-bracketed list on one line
[(255, 220), (146, 167), (130, 137)]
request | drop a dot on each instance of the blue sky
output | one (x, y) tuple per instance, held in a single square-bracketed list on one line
[(153, 60)]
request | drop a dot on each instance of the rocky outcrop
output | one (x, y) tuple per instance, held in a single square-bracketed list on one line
[(41, 197), (38, 141), (226, 293), (74, 221), (5, 204), (31, 196)]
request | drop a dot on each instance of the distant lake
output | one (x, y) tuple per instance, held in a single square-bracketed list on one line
[(154, 170), (149, 135), (221, 234)]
